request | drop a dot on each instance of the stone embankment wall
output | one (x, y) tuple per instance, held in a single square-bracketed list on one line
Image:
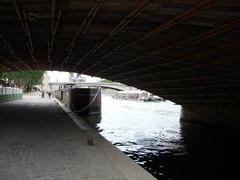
[(218, 116)]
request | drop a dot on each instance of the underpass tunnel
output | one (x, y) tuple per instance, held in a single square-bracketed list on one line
[(185, 51)]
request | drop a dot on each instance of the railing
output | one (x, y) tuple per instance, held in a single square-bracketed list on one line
[(10, 94)]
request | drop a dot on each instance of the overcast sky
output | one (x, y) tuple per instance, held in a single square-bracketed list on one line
[(57, 76)]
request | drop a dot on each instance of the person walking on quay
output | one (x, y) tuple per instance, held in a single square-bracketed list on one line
[(49, 94), (43, 94)]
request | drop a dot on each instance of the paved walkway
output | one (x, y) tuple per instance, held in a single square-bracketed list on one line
[(39, 141)]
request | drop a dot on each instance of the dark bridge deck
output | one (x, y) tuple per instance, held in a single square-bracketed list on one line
[(39, 140), (186, 51)]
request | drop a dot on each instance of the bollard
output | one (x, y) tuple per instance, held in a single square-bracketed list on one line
[(89, 141)]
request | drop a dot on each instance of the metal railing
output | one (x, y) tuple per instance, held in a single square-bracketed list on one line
[(10, 94)]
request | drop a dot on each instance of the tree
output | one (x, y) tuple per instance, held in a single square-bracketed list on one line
[(106, 81), (25, 80)]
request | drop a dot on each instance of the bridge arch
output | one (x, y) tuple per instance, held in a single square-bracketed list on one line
[(184, 51), (111, 87), (114, 85)]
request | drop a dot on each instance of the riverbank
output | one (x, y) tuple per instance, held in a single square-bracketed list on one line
[(40, 141), (154, 137)]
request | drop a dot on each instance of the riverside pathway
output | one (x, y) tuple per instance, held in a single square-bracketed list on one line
[(39, 141)]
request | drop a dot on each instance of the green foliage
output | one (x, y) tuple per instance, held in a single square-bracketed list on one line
[(106, 81), (25, 80)]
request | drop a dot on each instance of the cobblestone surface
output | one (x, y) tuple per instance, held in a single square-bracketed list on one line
[(39, 141)]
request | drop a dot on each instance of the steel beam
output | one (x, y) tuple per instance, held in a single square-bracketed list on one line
[(22, 18), (82, 29), (172, 22)]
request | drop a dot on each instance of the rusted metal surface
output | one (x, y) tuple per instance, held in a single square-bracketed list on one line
[(207, 52), (172, 48), (22, 17), (82, 30), (54, 27), (11, 52)]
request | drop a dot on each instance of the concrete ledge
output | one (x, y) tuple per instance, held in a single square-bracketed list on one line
[(127, 167)]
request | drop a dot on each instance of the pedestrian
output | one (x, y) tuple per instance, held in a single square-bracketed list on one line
[(49, 94), (43, 94)]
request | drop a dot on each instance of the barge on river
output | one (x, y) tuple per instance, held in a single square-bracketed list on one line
[(83, 101)]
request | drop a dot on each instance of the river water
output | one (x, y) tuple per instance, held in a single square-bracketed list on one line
[(153, 136)]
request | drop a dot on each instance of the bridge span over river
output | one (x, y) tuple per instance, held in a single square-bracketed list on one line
[(115, 86), (184, 51)]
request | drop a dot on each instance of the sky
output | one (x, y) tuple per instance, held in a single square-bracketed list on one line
[(57, 76)]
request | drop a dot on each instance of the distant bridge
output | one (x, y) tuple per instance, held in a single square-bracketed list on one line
[(114, 86)]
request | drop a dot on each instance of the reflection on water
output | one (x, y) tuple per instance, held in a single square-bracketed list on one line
[(152, 135), (93, 120)]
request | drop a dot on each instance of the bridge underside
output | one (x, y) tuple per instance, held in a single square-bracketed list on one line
[(185, 51)]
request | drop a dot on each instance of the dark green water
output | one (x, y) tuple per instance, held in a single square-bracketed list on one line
[(152, 135)]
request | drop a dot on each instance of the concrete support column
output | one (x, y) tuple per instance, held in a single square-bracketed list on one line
[(219, 116)]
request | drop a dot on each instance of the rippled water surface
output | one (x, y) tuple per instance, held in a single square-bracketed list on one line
[(151, 134)]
